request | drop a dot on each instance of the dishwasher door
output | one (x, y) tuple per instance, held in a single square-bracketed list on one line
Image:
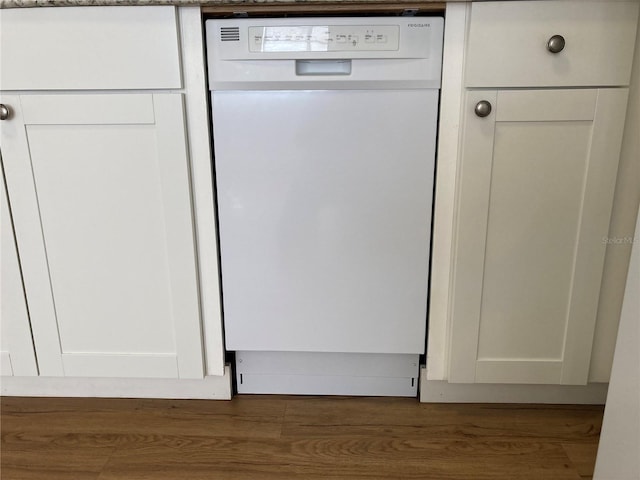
[(324, 202)]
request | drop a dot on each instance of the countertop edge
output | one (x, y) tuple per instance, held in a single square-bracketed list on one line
[(6, 4)]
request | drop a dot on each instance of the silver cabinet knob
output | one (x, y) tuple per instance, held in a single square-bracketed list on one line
[(5, 112), (483, 108), (556, 44)]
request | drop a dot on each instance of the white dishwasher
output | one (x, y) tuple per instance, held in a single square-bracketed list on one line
[(324, 136)]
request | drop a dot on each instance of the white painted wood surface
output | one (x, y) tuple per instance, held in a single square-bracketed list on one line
[(89, 48), (536, 190), (439, 391), (25, 211), (209, 387), (451, 96), (619, 447), (618, 457), (507, 43), (197, 118), (16, 346), (600, 184), (104, 224), (623, 220), (621, 228)]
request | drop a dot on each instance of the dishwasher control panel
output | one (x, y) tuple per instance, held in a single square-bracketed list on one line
[(324, 53), (323, 38)]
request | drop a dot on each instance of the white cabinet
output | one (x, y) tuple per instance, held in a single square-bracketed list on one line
[(535, 186), (99, 189), (99, 176), (16, 346), (536, 189)]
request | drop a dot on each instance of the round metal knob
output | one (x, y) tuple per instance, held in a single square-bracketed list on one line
[(5, 113), (556, 44), (483, 108)]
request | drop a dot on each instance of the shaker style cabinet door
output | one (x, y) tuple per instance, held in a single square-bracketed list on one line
[(99, 187), (535, 194), (16, 346)]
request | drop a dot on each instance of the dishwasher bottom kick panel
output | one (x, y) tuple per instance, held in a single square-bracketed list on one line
[(315, 373)]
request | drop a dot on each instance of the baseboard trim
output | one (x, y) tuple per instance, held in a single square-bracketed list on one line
[(441, 391), (210, 387)]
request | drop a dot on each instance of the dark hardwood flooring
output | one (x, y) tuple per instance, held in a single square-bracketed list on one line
[(278, 437)]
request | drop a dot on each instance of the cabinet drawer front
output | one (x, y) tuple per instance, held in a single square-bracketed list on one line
[(89, 48), (508, 43)]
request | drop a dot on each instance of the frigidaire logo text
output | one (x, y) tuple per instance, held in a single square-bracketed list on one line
[(419, 24)]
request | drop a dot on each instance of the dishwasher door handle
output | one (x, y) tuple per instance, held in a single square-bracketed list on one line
[(323, 67)]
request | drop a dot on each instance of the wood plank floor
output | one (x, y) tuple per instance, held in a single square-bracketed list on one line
[(278, 437)]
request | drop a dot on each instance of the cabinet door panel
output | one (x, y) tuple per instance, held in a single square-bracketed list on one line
[(535, 197), (111, 189), (16, 345), (537, 180), (102, 253)]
